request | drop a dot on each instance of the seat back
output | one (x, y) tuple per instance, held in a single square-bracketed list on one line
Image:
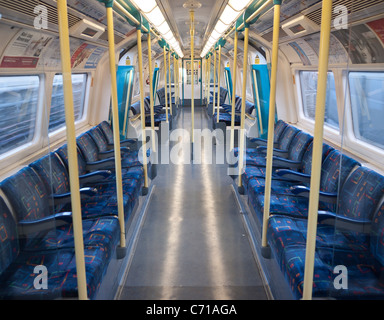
[(135, 108), (287, 136), (62, 152), (223, 95), (54, 174), (161, 95), (298, 146), (377, 235), (360, 194), (99, 138), (249, 107), (9, 244), (88, 147), (335, 169), (279, 129), (107, 131), (27, 195), (306, 162)]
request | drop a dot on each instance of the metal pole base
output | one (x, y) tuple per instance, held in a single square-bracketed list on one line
[(121, 252)]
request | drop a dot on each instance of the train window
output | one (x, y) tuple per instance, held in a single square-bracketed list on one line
[(19, 97), (57, 115), (308, 81), (367, 101)]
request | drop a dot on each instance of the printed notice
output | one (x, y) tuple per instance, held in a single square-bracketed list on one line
[(25, 49)]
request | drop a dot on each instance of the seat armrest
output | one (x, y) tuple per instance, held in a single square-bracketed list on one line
[(94, 177), (106, 164), (293, 175), (46, 223), (276, 152), (346, 223), (65, 198), (285, 163), (330, 197)]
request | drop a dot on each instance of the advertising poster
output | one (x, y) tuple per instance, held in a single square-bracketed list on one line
[(305, 52), (94, 58), (25, 49), (362, 44)]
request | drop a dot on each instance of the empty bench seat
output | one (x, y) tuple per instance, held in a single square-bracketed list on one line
[(350, 236), (39, 236)]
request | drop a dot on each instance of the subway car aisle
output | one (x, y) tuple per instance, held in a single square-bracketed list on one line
[(193, 244)]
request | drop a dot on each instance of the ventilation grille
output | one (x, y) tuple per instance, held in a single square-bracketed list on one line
[(269, 36), (353, 6), (27, 7)]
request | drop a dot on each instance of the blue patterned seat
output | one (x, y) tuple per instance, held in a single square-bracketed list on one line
[(107, 131), (256, 165), (351, 236), (222, 94), (103, 202), (334, 171), (132, 176), (256, 156), (47, 244), (91, 154)]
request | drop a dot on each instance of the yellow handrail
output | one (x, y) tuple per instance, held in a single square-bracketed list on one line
[(142, 110), (174, 78), (258, 102), (209, 78), (232, 144), (115, 121), (218, 86), (214, 80), (317, 148), (271, 123), (151, 93), (243, 99), (192, 32), (165, 83), (170, 80), (72, 148)]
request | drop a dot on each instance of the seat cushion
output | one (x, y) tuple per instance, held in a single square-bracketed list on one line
[(17, 282)]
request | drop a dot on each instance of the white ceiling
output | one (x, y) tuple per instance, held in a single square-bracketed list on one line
[(179, 21)]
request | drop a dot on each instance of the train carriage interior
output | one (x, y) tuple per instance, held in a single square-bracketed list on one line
[(191, 150)]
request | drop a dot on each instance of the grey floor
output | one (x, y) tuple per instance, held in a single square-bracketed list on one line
[(193, 244)]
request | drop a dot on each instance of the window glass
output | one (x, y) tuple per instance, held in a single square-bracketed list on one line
[(308, 80), (367, 101), (19, 97), (57, 115)]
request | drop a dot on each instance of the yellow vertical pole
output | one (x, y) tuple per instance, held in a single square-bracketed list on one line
[(72, 149), (317, 148), (115, 121), (165, 83), (209, 78), (243, 99), (170, 80), (232, 144), (177, 81), (175, 77), (214, 79), (151, 93), (258, 102), (271, 123), (192, 14), (142, 110), (206, 78), (218, 85)]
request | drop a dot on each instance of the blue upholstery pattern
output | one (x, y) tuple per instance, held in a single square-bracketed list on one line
[(362, 253)]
